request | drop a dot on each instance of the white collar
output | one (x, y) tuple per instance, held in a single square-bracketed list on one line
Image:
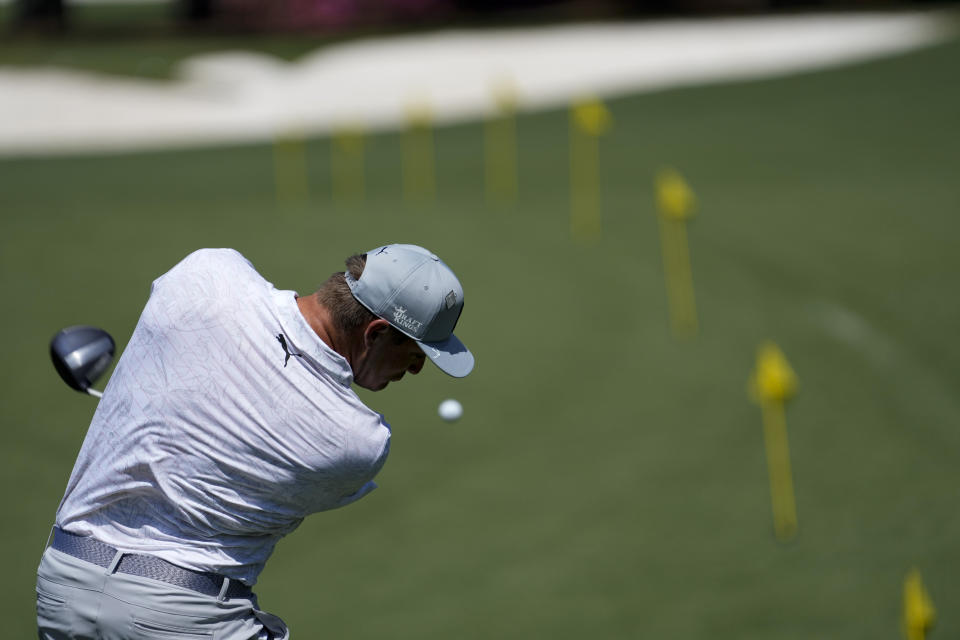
[(307, 343)]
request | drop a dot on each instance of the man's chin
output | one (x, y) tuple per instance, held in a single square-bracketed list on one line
[(379, 386)]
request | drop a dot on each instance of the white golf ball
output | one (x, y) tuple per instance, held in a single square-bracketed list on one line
[(450, 410)]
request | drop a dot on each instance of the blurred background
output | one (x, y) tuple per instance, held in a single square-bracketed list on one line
[(636, 195)]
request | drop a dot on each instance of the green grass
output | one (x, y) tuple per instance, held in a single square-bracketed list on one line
[(606, 481)]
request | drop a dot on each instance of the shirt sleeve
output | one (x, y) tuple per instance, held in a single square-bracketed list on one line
[(353, 497), (366, 460), (196, 291)]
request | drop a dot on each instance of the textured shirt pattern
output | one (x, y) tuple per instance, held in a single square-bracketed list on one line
[(225, 423)]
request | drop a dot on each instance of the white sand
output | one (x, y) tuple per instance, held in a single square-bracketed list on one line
[(236, 96)]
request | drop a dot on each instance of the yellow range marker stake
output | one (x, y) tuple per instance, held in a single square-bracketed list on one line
[(918, 612), (676, 204), (500, 146), (589, 119), (419, 172), (347, 166), (290, 169), (772, 384)]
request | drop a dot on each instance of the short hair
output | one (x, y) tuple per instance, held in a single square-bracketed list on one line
[(348, 314), (335, 295)]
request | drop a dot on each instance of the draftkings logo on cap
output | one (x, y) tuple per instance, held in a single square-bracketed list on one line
[(401, 319), (420, 296)]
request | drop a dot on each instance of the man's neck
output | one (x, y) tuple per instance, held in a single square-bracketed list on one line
[(320, 320)]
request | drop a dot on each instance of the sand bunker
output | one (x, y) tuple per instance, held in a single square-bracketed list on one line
[(237, 96)]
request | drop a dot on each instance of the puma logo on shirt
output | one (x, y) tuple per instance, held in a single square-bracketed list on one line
[(283, 343)]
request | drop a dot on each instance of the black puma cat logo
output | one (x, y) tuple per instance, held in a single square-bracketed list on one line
[(283, 343)]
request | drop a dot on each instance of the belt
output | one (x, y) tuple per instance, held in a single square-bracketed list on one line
[(102, 554)]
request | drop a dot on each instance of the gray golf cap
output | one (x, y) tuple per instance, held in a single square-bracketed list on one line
[(419, 295)]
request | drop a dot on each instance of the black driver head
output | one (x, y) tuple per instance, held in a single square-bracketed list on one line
[(81, 354)]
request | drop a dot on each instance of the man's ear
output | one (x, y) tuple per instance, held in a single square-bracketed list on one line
[(377, 328)]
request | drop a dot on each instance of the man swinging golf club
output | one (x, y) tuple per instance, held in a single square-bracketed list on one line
[(229, 418)]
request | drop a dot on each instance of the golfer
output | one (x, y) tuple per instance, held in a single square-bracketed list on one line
[(229, 418)]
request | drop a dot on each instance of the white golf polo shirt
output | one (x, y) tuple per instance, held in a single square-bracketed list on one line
[(226, 422)]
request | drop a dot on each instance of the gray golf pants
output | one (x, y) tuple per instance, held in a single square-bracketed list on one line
[(80, 600)]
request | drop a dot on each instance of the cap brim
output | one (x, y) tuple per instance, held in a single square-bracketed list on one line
[(450, 355)]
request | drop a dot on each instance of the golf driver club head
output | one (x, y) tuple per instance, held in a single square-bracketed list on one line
[(81, 354)]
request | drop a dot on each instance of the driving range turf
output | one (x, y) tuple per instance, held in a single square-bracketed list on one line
[(606, 481)]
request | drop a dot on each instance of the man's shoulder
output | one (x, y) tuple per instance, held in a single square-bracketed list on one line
[(368, 442), (205, 289), (211, 269), (364, 433), (331, 432), (215, 259)]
